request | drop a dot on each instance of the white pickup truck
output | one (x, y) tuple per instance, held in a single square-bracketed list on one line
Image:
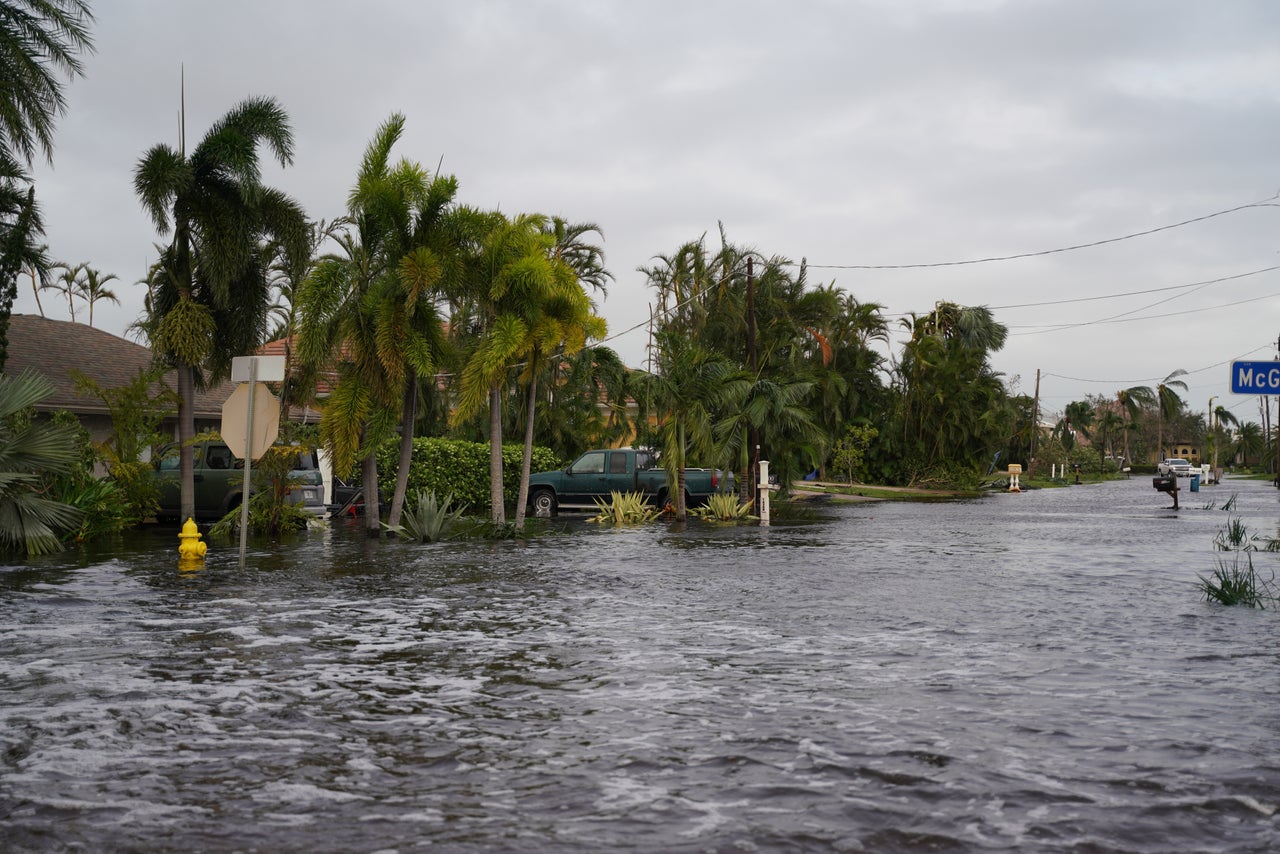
[(1179, 468)]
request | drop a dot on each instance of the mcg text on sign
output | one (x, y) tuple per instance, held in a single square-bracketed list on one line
[(1255, 377)]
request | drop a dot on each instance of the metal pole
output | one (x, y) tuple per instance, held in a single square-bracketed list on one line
[(248, 459)]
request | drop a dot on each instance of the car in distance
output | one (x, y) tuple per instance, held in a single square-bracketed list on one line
[(219, 481), (1180, 468)]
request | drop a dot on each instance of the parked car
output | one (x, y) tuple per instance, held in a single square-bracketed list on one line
[(1180, 468), (219, 481)]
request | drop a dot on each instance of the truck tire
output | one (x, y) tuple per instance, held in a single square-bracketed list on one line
[(660, 499), (543, 503)]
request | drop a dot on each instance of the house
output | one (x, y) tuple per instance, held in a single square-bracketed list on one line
[(56, 349)]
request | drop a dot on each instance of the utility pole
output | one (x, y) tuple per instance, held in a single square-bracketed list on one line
[(1035, 428), (753, 364)]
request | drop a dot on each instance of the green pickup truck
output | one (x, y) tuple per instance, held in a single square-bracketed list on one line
[(596, 474)]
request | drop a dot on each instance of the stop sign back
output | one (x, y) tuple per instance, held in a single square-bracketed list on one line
[(266, 419)]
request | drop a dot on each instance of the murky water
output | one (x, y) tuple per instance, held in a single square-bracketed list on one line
[(1033, 672)]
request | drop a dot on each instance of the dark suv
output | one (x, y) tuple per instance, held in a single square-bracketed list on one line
[(219, 481)]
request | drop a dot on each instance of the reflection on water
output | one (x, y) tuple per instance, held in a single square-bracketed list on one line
[(1018, 672)]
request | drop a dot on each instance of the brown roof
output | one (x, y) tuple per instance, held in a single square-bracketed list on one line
[(54, 348)]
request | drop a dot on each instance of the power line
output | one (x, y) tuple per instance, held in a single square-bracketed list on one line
[(1266, 346), (1121, 318), (1136, 293), (1265, 203)]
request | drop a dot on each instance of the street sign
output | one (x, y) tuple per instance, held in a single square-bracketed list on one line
[(1255, 377), (266, 419), (263, 369)]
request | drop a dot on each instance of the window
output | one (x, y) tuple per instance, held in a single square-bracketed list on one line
[(618, 463), (592, 463)]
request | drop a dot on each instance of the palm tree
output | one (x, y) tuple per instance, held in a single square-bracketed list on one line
[(1167, 403), (29, 451), (70, 282), (691, 385), (1249, 442), (210, 290), (40, 40), (585, 258), (1109, 422), (371, 310), (37, 266), (509, 280), (1077, 417), (93, 288), (1134, 401)]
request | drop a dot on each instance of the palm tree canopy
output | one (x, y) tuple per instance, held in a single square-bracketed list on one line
[(38, 39)]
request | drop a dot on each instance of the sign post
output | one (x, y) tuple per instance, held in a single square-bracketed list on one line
[(253, 370)]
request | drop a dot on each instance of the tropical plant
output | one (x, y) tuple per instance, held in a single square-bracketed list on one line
[(625, 508), (1109, 423), (93, 288), (31, 452), (850, 452), (429, 519), (371, 310), (137, 409), (1249, 442), (1167, 403), (689, 388), (510, 279), (558, 325), (723, 507), (68, 281), (209, 292), (40, 42)]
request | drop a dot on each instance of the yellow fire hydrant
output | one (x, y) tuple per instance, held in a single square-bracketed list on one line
[(191, 549)]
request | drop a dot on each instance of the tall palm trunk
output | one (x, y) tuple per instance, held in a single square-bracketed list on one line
[(369, 479), (186, 432), (526, 462), (499, 512), (681, 510), (408, 414)]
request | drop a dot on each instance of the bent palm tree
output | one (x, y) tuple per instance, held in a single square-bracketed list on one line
[(1167, 403)]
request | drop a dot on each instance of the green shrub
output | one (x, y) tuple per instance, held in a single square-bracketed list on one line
[(460, 468)]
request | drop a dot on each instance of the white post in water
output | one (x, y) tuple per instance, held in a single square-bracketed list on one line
[(763, 489), (248, 461)]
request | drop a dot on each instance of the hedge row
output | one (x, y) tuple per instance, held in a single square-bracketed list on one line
[(453, 466)]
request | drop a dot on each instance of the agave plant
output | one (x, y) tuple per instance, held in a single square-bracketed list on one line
[(724, 507), (625, 508), (429, 520)]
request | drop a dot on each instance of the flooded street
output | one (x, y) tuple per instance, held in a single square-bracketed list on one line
[(1020, 672)]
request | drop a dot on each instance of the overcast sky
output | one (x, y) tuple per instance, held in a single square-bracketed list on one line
[(879, 132)]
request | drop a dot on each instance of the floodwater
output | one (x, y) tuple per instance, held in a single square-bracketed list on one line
[(1032, 672)]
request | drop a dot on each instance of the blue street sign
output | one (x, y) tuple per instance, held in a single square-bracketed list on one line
[(1255, 377)]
